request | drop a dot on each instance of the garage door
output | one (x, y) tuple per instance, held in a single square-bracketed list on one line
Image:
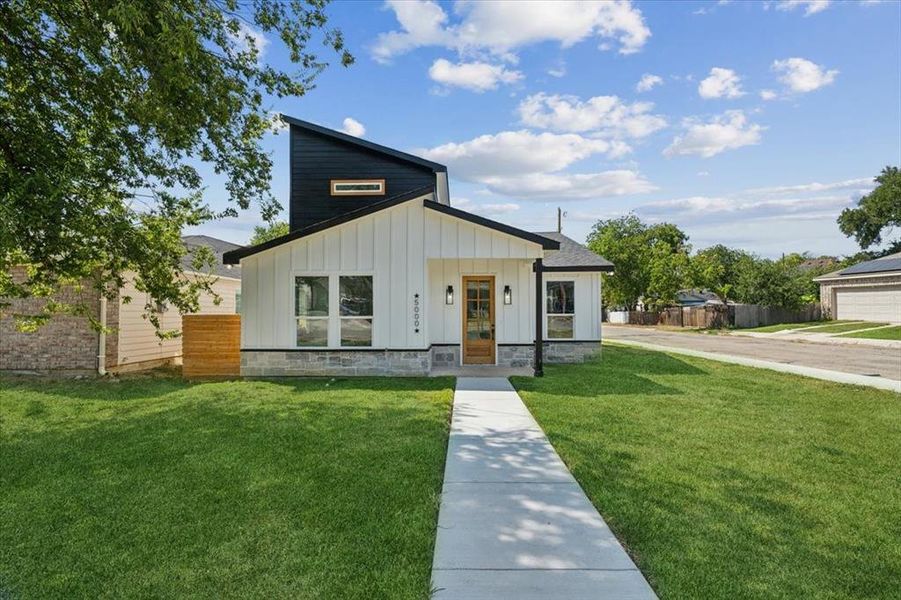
[(869, 304)]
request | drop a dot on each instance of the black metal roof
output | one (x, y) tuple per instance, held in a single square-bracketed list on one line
[(349, 139), (573, 256), (219, 248), (892, 262)]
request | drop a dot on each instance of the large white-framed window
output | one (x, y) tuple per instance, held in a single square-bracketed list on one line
[(355, 311), (311, 310), (334, 310), (560, 298)]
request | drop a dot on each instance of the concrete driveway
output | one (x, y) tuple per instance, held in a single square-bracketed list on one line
[(859, 360)]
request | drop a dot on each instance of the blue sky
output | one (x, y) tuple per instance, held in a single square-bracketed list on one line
[(755, 124)]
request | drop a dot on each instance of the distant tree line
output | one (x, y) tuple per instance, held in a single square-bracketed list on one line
[(654, 262)]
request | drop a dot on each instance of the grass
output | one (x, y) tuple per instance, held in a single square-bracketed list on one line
[(162, 488), (886, 333), (728, 482), (843, 327), (788, 326)]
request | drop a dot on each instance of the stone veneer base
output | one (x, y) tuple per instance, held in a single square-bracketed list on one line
[(324, 363), (398, 363)]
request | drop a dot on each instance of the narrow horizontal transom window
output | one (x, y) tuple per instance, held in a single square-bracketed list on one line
[(355, 310), (358, 187), (561, 309)]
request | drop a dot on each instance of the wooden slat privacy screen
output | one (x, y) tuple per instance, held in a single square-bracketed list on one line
[(211, 345)]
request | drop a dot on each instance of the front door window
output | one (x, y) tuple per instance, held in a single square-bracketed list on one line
[(478, 320)]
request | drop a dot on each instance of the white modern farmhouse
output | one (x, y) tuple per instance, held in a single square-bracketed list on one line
[(381, 275)]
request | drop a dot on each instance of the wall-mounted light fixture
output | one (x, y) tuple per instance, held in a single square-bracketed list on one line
[(449, 295), (508, 295)]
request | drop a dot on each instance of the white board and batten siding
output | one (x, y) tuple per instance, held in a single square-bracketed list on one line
[(587, 290), (399, 247)]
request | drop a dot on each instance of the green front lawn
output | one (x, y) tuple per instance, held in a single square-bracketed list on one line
[(886, 333), (730, 482), (843, 327), (162, 488), (788, 326)]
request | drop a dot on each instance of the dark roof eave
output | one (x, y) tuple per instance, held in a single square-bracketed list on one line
[(234, 257), (349, 139), (545, 243), (579, 269)]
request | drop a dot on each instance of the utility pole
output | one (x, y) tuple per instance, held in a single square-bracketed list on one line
[(560, 215)]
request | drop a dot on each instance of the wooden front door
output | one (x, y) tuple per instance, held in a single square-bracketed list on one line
[(478, 320)]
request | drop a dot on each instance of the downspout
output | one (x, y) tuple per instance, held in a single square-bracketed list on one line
[(101, 342), (539, 321)]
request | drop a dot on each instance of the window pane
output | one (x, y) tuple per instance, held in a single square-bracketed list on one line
[(358, 187), (356, 332), (312, 332), (560, 297), (559, 327), (355, 296), (311, 296)]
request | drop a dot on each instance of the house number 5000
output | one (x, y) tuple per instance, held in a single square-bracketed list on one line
[(416, 313)]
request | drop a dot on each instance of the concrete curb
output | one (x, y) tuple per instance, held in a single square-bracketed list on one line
[(881, 383)]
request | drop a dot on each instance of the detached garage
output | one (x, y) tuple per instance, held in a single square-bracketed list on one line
[(867, 291)]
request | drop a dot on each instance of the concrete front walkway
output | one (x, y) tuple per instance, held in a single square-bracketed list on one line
[(513, 522)]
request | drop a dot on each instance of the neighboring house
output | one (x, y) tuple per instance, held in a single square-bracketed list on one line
[(696, 298), (869, 291), (817, 264), (68, 344), (692, 297), (381, 275)]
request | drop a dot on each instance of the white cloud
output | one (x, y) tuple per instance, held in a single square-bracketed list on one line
[(572, 186), (517, 153), (768, 95), (527, 164), (487, 210), (605, 115), (647, 82), (801, 75), (810, 7), (861, 184), (721, 83), (248, 38), (475, 76), (353, 127), (727, 131), (502, 27), (557, 71)]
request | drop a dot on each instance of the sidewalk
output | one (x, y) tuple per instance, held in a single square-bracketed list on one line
[(513, 521)]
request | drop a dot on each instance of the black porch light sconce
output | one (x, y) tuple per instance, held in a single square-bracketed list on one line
[(449, 295), (508, 295)]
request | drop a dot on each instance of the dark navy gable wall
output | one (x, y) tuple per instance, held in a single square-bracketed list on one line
[(317, 159)]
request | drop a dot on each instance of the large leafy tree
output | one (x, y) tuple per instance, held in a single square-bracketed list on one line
[(717, 269), (106, 108), (264, 233), (649, 260), (877, 212)]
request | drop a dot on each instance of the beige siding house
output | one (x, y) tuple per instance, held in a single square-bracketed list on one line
[(867, 291), (69, 345)]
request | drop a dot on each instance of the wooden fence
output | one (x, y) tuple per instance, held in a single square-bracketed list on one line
[(714, 316), (211, 345)]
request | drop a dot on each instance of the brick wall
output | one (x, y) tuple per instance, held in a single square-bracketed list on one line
[(66, 343)]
